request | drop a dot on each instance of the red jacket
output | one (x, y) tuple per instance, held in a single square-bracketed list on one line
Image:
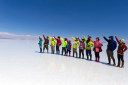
[(122, 47), (82, 45), (58, 41)]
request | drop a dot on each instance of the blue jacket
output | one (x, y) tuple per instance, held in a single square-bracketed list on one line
[(111, 44)]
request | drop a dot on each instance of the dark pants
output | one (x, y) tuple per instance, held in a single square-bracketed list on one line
[(57, 50), (45, 47), (120, 57), (63, 50), (40, 49), (88, 53), (81, 51), (68, 51), (97, 55), (110, 56)]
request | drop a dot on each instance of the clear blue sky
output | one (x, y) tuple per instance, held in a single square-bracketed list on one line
[(64, 17)]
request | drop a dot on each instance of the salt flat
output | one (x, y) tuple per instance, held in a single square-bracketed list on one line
[(21, 64)]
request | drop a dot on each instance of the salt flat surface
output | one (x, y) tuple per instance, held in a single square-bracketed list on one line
[(21, 64)]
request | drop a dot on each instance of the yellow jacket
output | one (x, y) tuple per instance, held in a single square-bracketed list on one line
[(53, 42), (89, 44), (76, 44)]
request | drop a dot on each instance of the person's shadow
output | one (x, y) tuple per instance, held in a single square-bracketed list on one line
[(104, 63)]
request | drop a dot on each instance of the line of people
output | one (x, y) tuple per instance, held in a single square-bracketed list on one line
[(80, 43)]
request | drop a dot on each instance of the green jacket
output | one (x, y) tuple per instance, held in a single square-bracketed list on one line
[(40, 41), (76, 44), (64, 43), (53, 42), (89, 44)]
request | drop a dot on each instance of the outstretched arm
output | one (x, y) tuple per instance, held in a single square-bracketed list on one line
[(39, 37), (91, 40), (44, 36), (105, 38), (84, 38), (117, 39), (67, 39), (55, 38), (73, 38), (50, 38), (62, 39), (79, 39)]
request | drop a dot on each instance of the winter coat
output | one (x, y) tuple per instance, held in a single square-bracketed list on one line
[(97, 45), (88, 44), (64, 43), (69, 46), (53, 42), (111, 44), (75, 45), (82, 45), (121, 48), (58, 41), (40, 42), (46, 41)]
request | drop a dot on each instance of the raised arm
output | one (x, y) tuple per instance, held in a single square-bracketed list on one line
[(55, 38), (44, 36), (73, 38), (39, 37), (117, 40), (50, 38), (67, 39), (55, 41), (62, 39), (79, 39), (105, 38), (85, 38)]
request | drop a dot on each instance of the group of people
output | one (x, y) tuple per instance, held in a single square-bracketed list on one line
[(86, 44)]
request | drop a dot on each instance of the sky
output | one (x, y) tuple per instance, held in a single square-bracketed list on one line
[(64, 17)]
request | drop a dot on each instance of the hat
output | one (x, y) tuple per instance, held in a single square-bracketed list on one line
[(122, 41)]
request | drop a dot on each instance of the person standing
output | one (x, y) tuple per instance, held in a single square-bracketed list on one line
[(58, 44), (110, 49), (69, 45), (75, 45), (121, 49), (46, 43), (40, 44), (81, 48), (97, 48), (53, 43), (64, 44), (89, 45)]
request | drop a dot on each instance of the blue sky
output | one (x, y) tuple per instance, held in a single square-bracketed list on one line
[(65, 17)]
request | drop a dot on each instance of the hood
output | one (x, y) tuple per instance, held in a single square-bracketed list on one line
[(111, 37)]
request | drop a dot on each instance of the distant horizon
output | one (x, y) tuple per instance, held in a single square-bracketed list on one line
[(5, 35), (65, 17)]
